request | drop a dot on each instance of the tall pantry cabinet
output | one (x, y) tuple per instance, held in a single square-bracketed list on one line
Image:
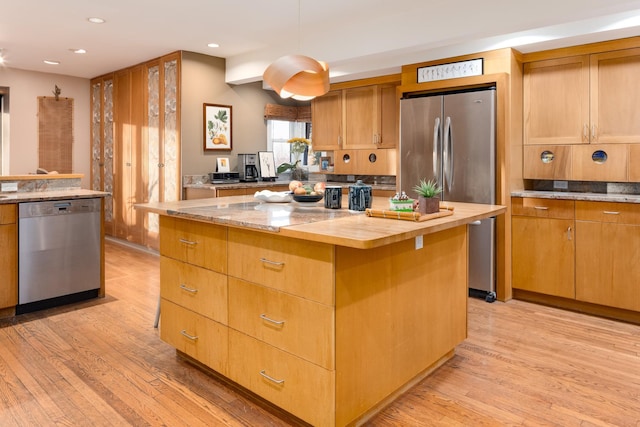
[(135, 144)]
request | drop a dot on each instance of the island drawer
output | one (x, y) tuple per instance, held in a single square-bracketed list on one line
[(197, 243), (8, 214), (543, 208), (296, 325), (300, 387), (195, 335), (195, 288), (619, 213), (300, 267)]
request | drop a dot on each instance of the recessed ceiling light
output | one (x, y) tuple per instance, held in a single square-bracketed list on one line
[(96, 20), (213, 45), (47, 61), (78, 50)]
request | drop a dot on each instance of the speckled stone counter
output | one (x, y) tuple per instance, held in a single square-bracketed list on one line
[(593, 197), (311, 221), (35, 188), (37, 196)]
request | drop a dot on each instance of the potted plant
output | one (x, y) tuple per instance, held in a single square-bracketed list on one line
[(298, 148), (427, 191)]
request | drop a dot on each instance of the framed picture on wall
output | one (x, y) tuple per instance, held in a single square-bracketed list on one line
[(217, 127)]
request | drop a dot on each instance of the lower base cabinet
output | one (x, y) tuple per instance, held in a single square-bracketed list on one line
[(543, 250), (608, 254), (9, 258), (325, 332), (584, 251)]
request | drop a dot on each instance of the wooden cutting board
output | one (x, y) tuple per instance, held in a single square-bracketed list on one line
[(407, 216)]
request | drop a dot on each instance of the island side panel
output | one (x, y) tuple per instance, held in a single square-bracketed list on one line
[(399, 311)]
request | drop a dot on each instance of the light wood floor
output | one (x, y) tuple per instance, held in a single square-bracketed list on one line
[(101, 363)]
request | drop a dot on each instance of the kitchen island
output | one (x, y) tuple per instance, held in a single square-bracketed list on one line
[(327, 314)]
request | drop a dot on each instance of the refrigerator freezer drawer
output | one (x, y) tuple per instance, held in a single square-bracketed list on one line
[(482, 270)]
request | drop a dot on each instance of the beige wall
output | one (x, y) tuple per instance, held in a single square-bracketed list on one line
[(21, 150), (203, 81)]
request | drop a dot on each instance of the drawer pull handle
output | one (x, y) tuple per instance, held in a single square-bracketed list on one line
[(188, 242), (191, 337), (541, 208), (569, 233), (188, 289), (275, 322), (266, 261), (264, 374), (611, 213)]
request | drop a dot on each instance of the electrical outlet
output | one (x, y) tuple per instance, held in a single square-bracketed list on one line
[(351, 178), (419, 242), (560, 185), (8, 186)]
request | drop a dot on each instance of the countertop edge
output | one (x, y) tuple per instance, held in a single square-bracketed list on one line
[(357, 231), (36, 196), (563, 195)]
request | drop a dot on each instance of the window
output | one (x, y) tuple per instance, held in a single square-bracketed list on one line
[(278, 134)]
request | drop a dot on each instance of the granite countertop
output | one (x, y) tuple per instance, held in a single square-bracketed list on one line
[(264, 184), (314, 222), (565, 195), (37, 196)]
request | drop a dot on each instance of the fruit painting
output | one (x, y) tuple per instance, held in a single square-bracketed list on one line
[(217, 127)]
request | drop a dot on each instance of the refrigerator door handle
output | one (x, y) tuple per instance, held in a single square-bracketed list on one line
[(436, 147), (448, 153)]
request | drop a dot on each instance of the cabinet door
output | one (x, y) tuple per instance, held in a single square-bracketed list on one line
[(128, 118), (327, 121), (102, 143), (389, 117), (543, 255), (607, 268), (556, 101), (362, 123), (547, 162), (9, 258), (615, 90)]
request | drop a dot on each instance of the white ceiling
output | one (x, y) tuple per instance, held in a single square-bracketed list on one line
[(358, 38)]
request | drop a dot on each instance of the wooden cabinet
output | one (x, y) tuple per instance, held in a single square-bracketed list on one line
[(615, 89), (543, 247), (102, 144), (283, 317), (363, 117), (556, 101), (597, 264), (607, 251), (326, 121), (9, 258), (585, 103), (551, 162), (135, 142), (193, 290)]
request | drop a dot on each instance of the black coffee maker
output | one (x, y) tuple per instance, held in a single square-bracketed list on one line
[(247, 169)]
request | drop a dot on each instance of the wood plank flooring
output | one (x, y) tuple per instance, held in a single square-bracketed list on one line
[(101, 363)]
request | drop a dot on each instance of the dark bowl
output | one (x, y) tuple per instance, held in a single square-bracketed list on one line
[(307, 198)]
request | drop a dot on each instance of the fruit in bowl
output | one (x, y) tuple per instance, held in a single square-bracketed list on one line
[(294, 184)]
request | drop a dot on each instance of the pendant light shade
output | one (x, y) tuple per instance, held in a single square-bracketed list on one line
[(297, 76)]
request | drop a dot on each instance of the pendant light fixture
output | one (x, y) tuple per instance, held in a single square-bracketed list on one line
[(297, 76)]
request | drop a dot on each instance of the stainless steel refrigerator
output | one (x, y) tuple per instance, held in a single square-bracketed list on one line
[(451, 138)]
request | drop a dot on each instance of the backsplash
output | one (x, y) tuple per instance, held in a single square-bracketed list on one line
[(584, 186)]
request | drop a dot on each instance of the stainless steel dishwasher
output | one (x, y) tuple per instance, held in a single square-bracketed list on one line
[(58, 252)]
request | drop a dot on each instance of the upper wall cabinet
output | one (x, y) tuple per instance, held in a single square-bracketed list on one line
[(364, 117), (556, 101), (615, 90), (583, 99), (326, 120)]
